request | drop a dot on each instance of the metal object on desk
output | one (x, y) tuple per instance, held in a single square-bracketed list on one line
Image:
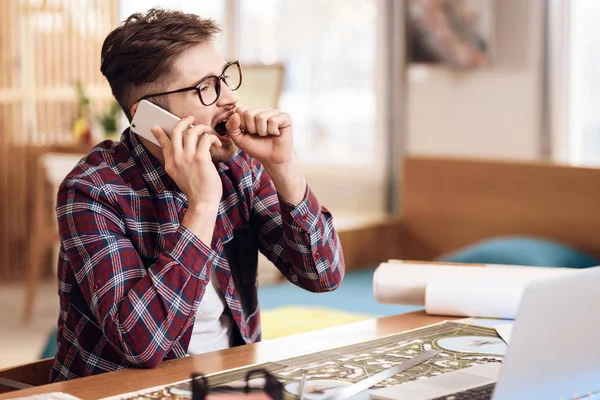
[(302, 386), (367, 383)]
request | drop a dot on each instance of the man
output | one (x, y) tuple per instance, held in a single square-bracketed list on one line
[(159, 245)]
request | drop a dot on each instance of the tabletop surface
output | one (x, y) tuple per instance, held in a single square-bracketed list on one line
[(131, 380)]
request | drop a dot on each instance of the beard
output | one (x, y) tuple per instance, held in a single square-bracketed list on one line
[(224, 153)]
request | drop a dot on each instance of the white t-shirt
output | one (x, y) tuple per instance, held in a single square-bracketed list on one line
[(212, 327)]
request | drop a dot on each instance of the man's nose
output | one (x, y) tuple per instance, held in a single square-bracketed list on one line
[(228, 96)]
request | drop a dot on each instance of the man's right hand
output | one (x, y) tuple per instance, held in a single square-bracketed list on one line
[(189, 163)]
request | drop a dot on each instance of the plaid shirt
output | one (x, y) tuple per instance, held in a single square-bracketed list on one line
[(131, 276)]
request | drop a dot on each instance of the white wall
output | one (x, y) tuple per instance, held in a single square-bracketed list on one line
[(493, 112)]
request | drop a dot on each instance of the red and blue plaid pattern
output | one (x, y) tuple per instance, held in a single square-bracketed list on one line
[(131, 277)]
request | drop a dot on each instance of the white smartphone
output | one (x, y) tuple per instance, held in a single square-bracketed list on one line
[(148, 115)]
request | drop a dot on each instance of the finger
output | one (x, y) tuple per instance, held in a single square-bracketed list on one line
[(234, 126), (273, 127), (206, 142), (248, 118), (161, 137), (283, 120), (177, 134), (261, 120), (240, 111), (190, 143), (194, 135), (248, 121)]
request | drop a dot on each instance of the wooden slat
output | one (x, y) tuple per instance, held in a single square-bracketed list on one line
[(103, 22), (18, 185), (11, 255), (10, 123), (25, 132), (70, 48), (5, 128), (61, 62), (6, 73), (24, 83), (19, 205), (39, 57), (4, 223), (4, 48), (89, 37), (77, 56)]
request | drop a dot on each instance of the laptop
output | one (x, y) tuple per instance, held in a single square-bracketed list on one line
[(554, 351)]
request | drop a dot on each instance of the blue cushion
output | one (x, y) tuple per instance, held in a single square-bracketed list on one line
[(522, 250), (51, 345), (355, 295)]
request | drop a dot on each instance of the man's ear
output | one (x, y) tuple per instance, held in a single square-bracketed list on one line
[(133, 108)]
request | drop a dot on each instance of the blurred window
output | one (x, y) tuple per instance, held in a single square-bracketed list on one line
[(330, 52), (583, 82)]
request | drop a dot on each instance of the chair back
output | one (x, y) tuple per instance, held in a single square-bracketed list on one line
[(261, 85), (24, 376)]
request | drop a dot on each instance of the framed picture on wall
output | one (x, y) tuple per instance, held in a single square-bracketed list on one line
[(454, 33)]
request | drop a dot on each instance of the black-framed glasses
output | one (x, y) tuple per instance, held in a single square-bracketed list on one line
[(256, 380), (209, 88)]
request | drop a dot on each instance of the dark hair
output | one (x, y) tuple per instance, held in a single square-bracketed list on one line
[(138, 55)]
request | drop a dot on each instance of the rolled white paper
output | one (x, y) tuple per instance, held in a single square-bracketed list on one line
[(405, 283), (473, 297)]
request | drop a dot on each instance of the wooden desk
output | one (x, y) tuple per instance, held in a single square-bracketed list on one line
[(131, 380)]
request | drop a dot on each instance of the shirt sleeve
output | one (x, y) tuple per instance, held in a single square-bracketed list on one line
[(300, 240), (141, 309)]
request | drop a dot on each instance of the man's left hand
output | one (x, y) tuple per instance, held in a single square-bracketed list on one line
[(263, 133), (266, 135)]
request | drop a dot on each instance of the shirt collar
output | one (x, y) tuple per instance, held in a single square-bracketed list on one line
[(152, 170)]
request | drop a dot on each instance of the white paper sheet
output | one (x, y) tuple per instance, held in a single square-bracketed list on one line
[(49, 396), (505, 331), (483, 322), (400, 282)]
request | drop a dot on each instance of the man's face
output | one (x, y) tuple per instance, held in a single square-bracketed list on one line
[(189, 68)]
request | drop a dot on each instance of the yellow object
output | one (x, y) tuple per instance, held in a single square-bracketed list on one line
[(82, 131), (291, 320)]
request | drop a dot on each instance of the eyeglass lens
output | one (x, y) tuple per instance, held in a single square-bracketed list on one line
[(209, 88)]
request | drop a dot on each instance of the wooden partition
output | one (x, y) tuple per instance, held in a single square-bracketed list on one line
[(369, 243), (449, 203), (45, 48)]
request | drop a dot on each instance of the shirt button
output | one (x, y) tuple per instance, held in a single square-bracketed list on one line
[(317, 255), (304, 217), (94, 287)]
